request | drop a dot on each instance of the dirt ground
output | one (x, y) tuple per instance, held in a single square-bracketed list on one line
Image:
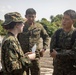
[(46, 64)]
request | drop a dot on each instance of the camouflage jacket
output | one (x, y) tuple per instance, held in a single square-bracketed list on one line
[(67, 51), (12, 56), (32, 34)]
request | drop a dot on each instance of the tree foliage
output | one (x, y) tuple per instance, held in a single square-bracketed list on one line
[(2, 31), (53, 25), (50, 26)]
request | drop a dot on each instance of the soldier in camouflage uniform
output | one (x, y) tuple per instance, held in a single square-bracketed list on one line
[(63, 46), (33, 32), (13, 59)]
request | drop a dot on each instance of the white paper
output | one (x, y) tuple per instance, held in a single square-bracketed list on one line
[(32, 56), (34, 48)]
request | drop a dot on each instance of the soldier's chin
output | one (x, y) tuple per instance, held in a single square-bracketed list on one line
[(21, 31), (64, 26), (31, 22)]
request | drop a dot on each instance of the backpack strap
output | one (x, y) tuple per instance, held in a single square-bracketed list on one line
[(73, 37), (57, 36)]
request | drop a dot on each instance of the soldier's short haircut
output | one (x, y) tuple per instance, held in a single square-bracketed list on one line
[(30, 11), (70, 13)]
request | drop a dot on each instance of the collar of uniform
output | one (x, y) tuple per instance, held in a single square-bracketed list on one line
[(26, 23), (70, 32), (10, 33)]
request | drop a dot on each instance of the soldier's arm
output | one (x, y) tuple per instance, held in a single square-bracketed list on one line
[(45, 37), (12, 60), (9, 60), (53, 42), (71, 54)]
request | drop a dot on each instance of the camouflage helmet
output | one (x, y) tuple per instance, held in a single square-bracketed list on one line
[(12, 17)]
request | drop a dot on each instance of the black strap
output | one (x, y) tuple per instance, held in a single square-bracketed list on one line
[(72, 39), (57, 36)]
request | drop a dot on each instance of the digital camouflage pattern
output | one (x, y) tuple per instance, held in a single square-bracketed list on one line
[(13, 17), (64, 63), (32, 34), (12, 57)]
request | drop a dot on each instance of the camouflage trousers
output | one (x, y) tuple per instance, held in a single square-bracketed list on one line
[(64, 71), (20, 72), (34, 68)]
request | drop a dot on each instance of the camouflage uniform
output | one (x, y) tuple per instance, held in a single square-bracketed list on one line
[(32, 34), (12, 56), (64, 61), (13, 60)]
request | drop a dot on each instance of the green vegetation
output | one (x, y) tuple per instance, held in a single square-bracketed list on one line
[(50, 26), (53, 25), (2, 31)]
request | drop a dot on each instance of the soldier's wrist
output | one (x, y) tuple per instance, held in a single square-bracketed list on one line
[(44, 49), (58, 55)]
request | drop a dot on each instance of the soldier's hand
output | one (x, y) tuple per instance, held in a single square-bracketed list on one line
[(54, 53), (28, 53), (42, 52), (32, 56)]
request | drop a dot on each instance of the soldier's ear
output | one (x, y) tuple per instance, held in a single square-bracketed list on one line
[(35, 16)]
